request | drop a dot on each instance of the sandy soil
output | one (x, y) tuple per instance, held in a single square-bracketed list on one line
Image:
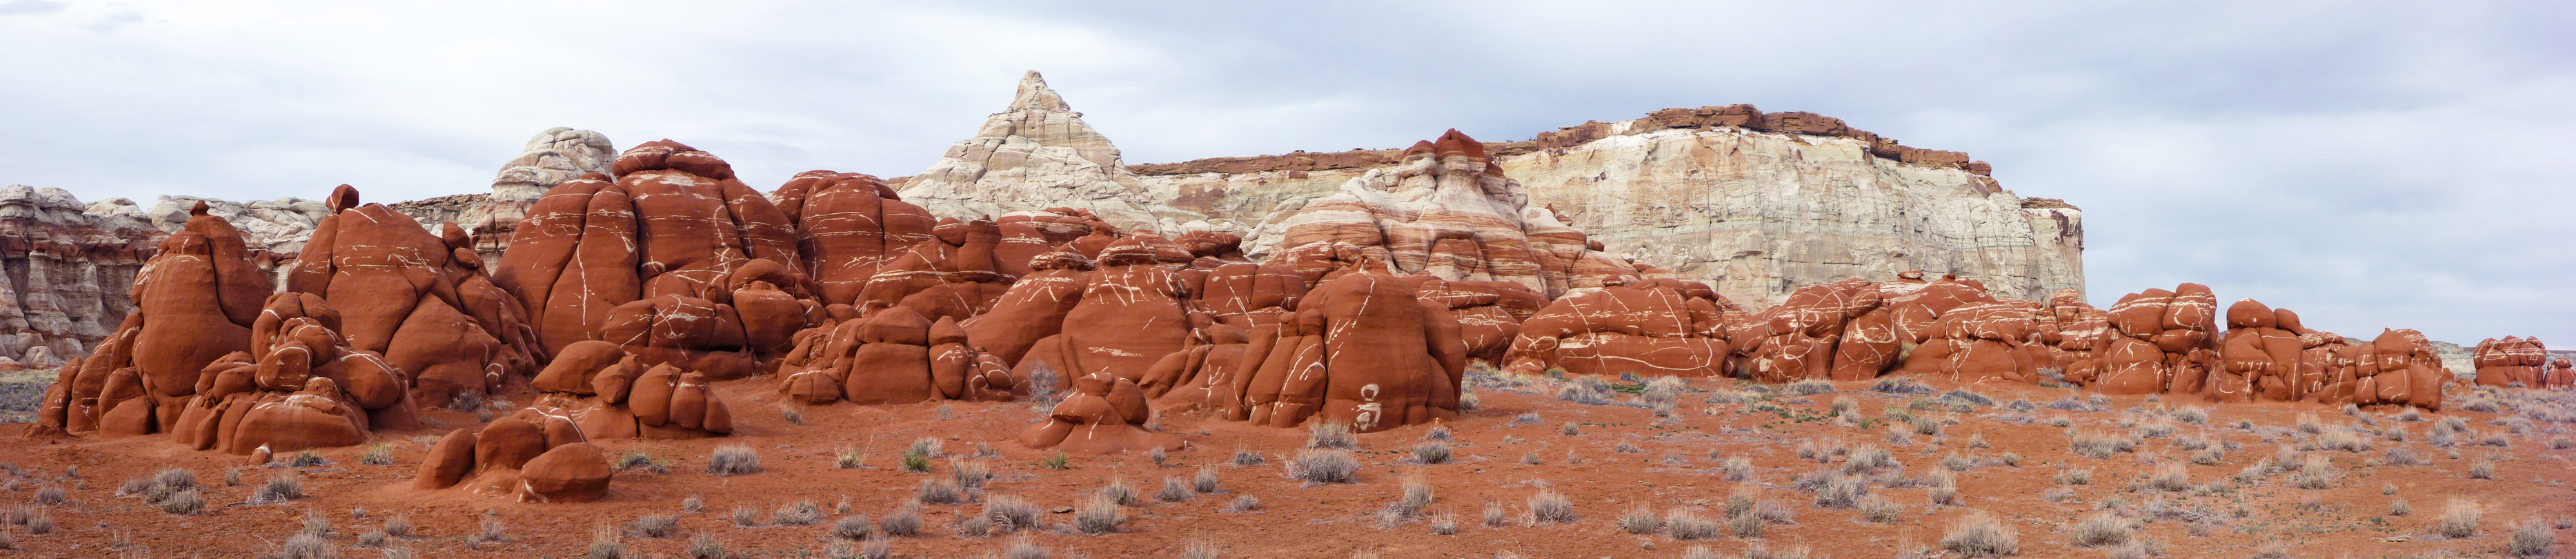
[(1621, 457)]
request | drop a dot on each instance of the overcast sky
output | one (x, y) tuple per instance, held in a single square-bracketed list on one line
[(2367, 164)]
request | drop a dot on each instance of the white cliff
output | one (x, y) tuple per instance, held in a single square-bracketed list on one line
[(1755, 204)]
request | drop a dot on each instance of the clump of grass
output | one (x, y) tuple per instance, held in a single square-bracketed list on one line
[(187, 501), (703, 546), (280, 488), (306, 458), (2099, 530), (1837, 491), (1243, 503), (847, 458), (1548, 506), (1330, 434), (2482, 470), (1174, 491), (1098, 515), (1682, 524), (2400, 508), (1808, 387), (1057, 461), (928, 447), (1431, 452), (1324, 466), (800, 513), (1879, 509), (970, 474), (1738, 469), (1118, 491), (378, 454), (657, 525), (854, 527), (936, 492), (307, 546), (905, 520), (1204, 480), (1640, 520), (745, 516), (2170, 477), (733, 460), (2531, 538), (1980, 535), (398, 526), (2460, 519), (2101, 445), (1011, 513)]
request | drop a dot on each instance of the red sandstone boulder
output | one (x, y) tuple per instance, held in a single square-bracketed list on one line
[(2511, 361), (568, 473)]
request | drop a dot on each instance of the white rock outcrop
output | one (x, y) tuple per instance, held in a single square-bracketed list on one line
[(1757, 205), (552, 157), (1038, 154)]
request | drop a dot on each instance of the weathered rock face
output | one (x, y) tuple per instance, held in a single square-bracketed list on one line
[(663, 262), (1446, 210), (2163, 342), (1650, 328), (421, 300), (1755, 204), (1037, 153), (611, 395), (2510, 361), (2262, 352), (553, 157), (64, 274)]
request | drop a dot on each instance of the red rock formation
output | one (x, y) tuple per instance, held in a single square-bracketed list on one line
[(2075, 333), (2560, 375), (2262, 352), (2397, 368), (1361, 349), (194, 303), (611, 394), (420, 300), (895, 356), (677, 262), (1650, 328), (1983, 341), (1102, 415), (1447, 211), (2510, 361), (2163, 341), (530, 456)]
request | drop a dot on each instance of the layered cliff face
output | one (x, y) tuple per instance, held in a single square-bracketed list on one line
[(1038, 154), (1755, 204), (66, 274)]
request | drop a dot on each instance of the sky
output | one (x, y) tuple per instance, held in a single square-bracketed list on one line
[(2368, 164)]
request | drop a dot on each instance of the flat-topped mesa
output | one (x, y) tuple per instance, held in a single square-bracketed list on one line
[(1763, 203), (1445, 210), (1037, 154)]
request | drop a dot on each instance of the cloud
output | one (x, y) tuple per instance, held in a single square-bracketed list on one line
[(2369, 164), (30, 7)]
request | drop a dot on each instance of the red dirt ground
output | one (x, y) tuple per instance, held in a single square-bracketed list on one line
[(1671, 467)]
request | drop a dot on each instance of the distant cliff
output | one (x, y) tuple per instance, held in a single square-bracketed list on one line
[(1757, 204)]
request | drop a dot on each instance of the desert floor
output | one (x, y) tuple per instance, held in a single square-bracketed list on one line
[(2265, 479)]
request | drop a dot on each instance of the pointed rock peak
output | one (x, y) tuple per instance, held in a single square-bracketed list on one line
[(199, 209), (1423, 147), (1035, 95)]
